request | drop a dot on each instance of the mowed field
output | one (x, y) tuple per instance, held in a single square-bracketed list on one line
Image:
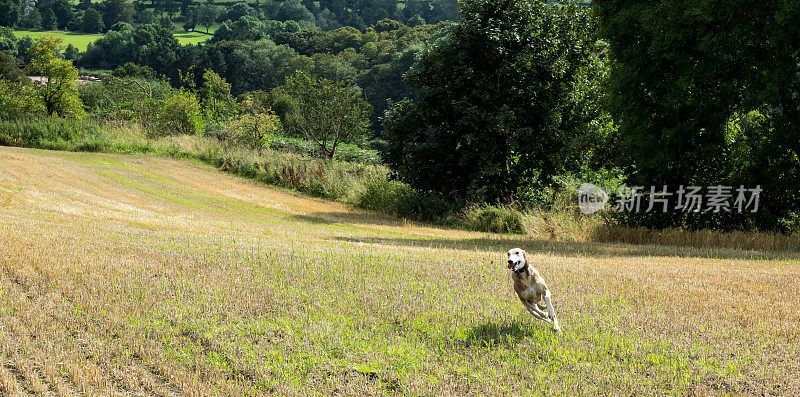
[(128, 275)]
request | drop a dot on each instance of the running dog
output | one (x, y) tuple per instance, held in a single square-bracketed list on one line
[(530, 287)]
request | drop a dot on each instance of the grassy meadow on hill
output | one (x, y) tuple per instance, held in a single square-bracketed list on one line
[(78, 40), (82, 40), (135, 275)]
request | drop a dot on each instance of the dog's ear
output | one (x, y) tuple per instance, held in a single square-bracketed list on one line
[(525, 256)]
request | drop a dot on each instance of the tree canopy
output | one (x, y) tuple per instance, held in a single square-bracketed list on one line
[(58, 92), (706, 93), (505, 102)]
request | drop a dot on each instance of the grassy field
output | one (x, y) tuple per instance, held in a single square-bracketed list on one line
[(82, 40), (130, 275), (79, 40), (192, 37)]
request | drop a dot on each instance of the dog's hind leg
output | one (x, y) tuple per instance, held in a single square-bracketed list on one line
[(535, 312), (550, 310), (537, 308)]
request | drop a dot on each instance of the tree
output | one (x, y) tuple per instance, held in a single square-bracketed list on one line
[(240, 10), (59, 90), (16, 92), (255, 124), (245, 29), (177, 114), (506, 103), (146, 16), (32, 20), (148, 45), (215, 97), (206, 15), (288, 10), (84, 5), (706, 94), (115, 11), (65, 15), (9, 69), (71, 52), (92, 21), (8, 42), (24, 43), (325, 112), (9, 13), (165, 21), (189, 18), (49, 21), (416, 20)]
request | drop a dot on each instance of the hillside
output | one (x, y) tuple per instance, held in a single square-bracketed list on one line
[(131, 275)]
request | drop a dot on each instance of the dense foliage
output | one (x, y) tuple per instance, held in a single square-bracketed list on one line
[(101, 16), (506, 103), (706, 94)]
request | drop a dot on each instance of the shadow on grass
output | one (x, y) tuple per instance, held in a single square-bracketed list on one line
[(501, 243), (354, 218), (494, 334)]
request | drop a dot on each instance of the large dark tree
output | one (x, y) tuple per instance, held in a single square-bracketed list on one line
[(92, 21), (505, 102), (9, 13), (49, 21), (148, 45), (707, 94), (115, 11), (64, 12)]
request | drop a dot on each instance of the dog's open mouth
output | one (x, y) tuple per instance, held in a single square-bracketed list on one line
[(511, 265)]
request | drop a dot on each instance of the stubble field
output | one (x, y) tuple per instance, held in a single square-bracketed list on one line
[(127, 275)]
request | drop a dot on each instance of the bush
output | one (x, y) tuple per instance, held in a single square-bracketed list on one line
[(124, 98), (47, 132), (251, 130), (495, 219), (17, 99), (333, 180), (381, 195), (401, 200), (179, 114)]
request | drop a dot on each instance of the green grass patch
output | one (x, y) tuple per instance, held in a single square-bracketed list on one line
[(82, 40), (192, 37), (79, 40)]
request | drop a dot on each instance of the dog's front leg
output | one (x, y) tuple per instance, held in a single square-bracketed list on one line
[(550, 310)]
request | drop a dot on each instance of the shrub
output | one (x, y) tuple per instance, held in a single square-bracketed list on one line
[(17, 99), (401, 200), (179, 114), (495, 219), (380, 195), (125, 98), (346, 152), (251, 130), (47, 132), (215, 97)]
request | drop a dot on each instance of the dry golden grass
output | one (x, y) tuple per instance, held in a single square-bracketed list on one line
[(125, 275), (568, 224)]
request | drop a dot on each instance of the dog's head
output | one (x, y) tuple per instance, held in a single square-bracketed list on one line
[(516, 259)]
